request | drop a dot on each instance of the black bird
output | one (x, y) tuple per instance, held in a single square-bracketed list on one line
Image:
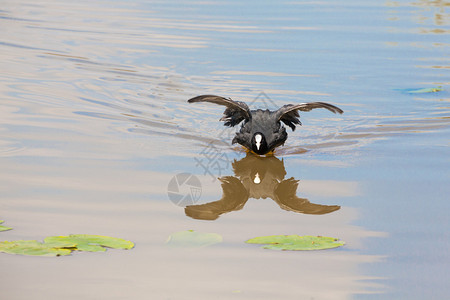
[(262, 130)]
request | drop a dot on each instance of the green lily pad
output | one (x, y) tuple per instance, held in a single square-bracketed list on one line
[(191, 239), (91, 243), (296, 242), (64, 245), (33, 248), (423, 90), (4, 228)]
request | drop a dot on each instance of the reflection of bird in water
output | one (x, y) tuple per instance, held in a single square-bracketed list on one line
[(262, 131), (257, 177)]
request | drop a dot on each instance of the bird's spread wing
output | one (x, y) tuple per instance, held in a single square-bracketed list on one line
[(285, 196), (234, 198), (235, 112), (288, 114)]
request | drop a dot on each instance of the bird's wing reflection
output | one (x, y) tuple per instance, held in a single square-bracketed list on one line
[(285, 196), (235, 195)]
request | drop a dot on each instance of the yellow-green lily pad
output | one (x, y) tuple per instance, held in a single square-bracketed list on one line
[(296, 242), (34, 248), (4, 228), (423, 90), (89, 242), (193, 239), (64, 245)]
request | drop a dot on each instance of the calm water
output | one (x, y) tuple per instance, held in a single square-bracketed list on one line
[(94, 124)]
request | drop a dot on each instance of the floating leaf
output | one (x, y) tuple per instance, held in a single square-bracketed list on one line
[(191, 238), (4, 228), (296, 242), (423, 90), (32, 248), (91, 243), (64, 245)]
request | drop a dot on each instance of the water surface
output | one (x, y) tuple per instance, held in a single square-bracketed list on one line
[(94, 124)]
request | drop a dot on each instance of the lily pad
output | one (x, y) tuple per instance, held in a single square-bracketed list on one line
[(423, 90), (64, 245), (193, 239), (33, 248), (4, 228), (296, 242), (91, 243)]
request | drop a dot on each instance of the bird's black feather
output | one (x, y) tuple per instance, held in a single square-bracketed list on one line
[(289, 115), (291, 118), (235, 112), (233, 115)]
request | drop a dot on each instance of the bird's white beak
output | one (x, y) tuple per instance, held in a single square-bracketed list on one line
[(258, 139)]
